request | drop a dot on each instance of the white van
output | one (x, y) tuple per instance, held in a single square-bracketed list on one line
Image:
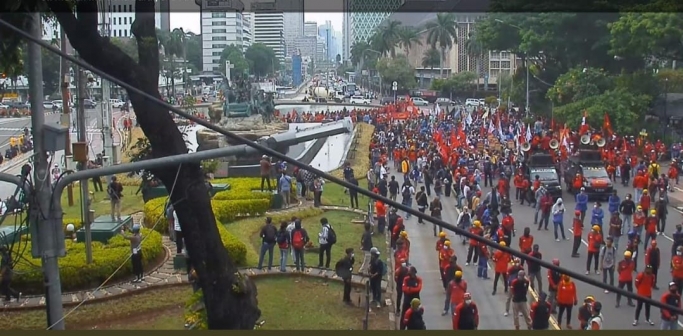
[(471, 102), (116, 103)]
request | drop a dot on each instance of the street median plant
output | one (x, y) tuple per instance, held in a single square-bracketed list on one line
[(361, 160), (75, 273)]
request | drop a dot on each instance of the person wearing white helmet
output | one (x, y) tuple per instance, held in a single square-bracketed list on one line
[(135, 239), (377, 271)]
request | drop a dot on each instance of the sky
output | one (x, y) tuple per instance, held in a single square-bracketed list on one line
[(192, 21)]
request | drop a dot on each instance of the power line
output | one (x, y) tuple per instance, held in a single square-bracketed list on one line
[(273, 153)]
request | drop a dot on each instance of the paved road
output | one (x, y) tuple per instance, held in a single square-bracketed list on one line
[(424, 257), (13, 127), (615, 318)]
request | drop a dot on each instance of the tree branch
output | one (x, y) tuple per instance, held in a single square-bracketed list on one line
[(145, 34)]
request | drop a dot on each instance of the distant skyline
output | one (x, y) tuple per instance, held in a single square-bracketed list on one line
[(192, 21)]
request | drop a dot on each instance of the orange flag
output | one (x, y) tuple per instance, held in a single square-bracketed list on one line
[(607, 125)]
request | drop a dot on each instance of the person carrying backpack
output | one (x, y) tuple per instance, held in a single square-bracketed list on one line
[(326, 238), (268, 239), (299, 239), (407, 192)]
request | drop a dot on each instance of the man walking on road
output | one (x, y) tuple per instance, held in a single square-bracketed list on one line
[(520, 292)]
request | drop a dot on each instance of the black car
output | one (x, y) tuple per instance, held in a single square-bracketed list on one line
[(596, 182), (549, 178), (386, 100)]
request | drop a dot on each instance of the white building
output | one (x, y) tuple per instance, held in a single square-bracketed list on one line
[(307, 46), (294, 28), (269, 26), (310, 28), (219, 29), (118, 18), (361, 19)]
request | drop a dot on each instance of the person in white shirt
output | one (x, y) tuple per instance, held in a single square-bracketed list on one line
[(178, 233)]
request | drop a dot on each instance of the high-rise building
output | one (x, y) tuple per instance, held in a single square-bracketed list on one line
[(269, 26), (119, 18), (362, 18), (221, 27), (306, 46), (326, 34), (310, 28), (294, 21)]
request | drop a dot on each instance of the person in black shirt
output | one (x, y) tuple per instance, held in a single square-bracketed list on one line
[(377, 271), (382, 185), (393, 188), (540, 313), (535, 269), (353, 194), (6, 275), (344, 268)]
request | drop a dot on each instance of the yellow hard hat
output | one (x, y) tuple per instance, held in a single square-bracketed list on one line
[(458, 274), (442, 234), (447, 243), (502, 244), (415, 302), (639, 207), (589, 298), (596, 227), (644, 191), (653, 212), (627, 254), (477, 223), (404, 234)]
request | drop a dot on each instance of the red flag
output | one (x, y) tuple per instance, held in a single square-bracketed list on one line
[(584, 124), (607, 125), (552, 124)]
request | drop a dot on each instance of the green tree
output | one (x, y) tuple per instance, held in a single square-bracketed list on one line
[(193, 51), (229, 299), (359, 51), (128, 45), (669, 79), (431, 58), (51, 67), (397, 69), (626, 110), (387, 37), (407, 38), (459, 82), (262, 59), (173, 46), (657, 35), (235, 55), (578, 84), (477, 50), (442, 33)]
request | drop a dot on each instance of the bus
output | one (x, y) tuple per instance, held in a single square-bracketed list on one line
[(349, 89)]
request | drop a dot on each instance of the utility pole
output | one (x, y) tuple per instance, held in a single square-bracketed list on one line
[(66, 108), (85, 201), (106, 124), (49, 231)]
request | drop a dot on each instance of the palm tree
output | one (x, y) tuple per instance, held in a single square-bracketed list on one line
[(407, 37), (173, 45), (442, 32), (430, 59), (475, 49), (358, 50), (388, 37)]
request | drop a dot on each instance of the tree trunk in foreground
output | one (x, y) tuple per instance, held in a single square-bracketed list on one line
[(227, 306)]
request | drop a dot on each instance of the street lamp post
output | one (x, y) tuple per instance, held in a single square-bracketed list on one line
[(526, 65)]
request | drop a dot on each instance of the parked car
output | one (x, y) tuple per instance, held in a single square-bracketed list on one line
[(419, 101), (4, 106), (360, 100), (116, 103), (471, 102), (443, 101), (48, 105), (88, 103)]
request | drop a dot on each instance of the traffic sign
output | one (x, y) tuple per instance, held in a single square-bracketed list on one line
[(394, 86)]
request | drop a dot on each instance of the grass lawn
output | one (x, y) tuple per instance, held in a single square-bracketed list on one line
[(348, 235), (130, 202), (287, 303), (333, 194), (148, 310)]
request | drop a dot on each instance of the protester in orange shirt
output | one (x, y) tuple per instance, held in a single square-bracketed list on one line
[(519, 186), (439, 243), (577, 227), (501, 260), (455, 293), (595, 241), (625, 269), (566, 299), (444, 261), (526, 241), (677, 268), (381, 211), (644, 283), (645, 201)]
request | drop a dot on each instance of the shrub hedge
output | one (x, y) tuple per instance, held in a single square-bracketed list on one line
[(225, 211), (74, 272), (238, 251)]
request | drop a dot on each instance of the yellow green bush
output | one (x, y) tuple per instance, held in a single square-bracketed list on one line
[(229, 195), (154, 212), (225, 211), (74, 272), (193, 316)]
